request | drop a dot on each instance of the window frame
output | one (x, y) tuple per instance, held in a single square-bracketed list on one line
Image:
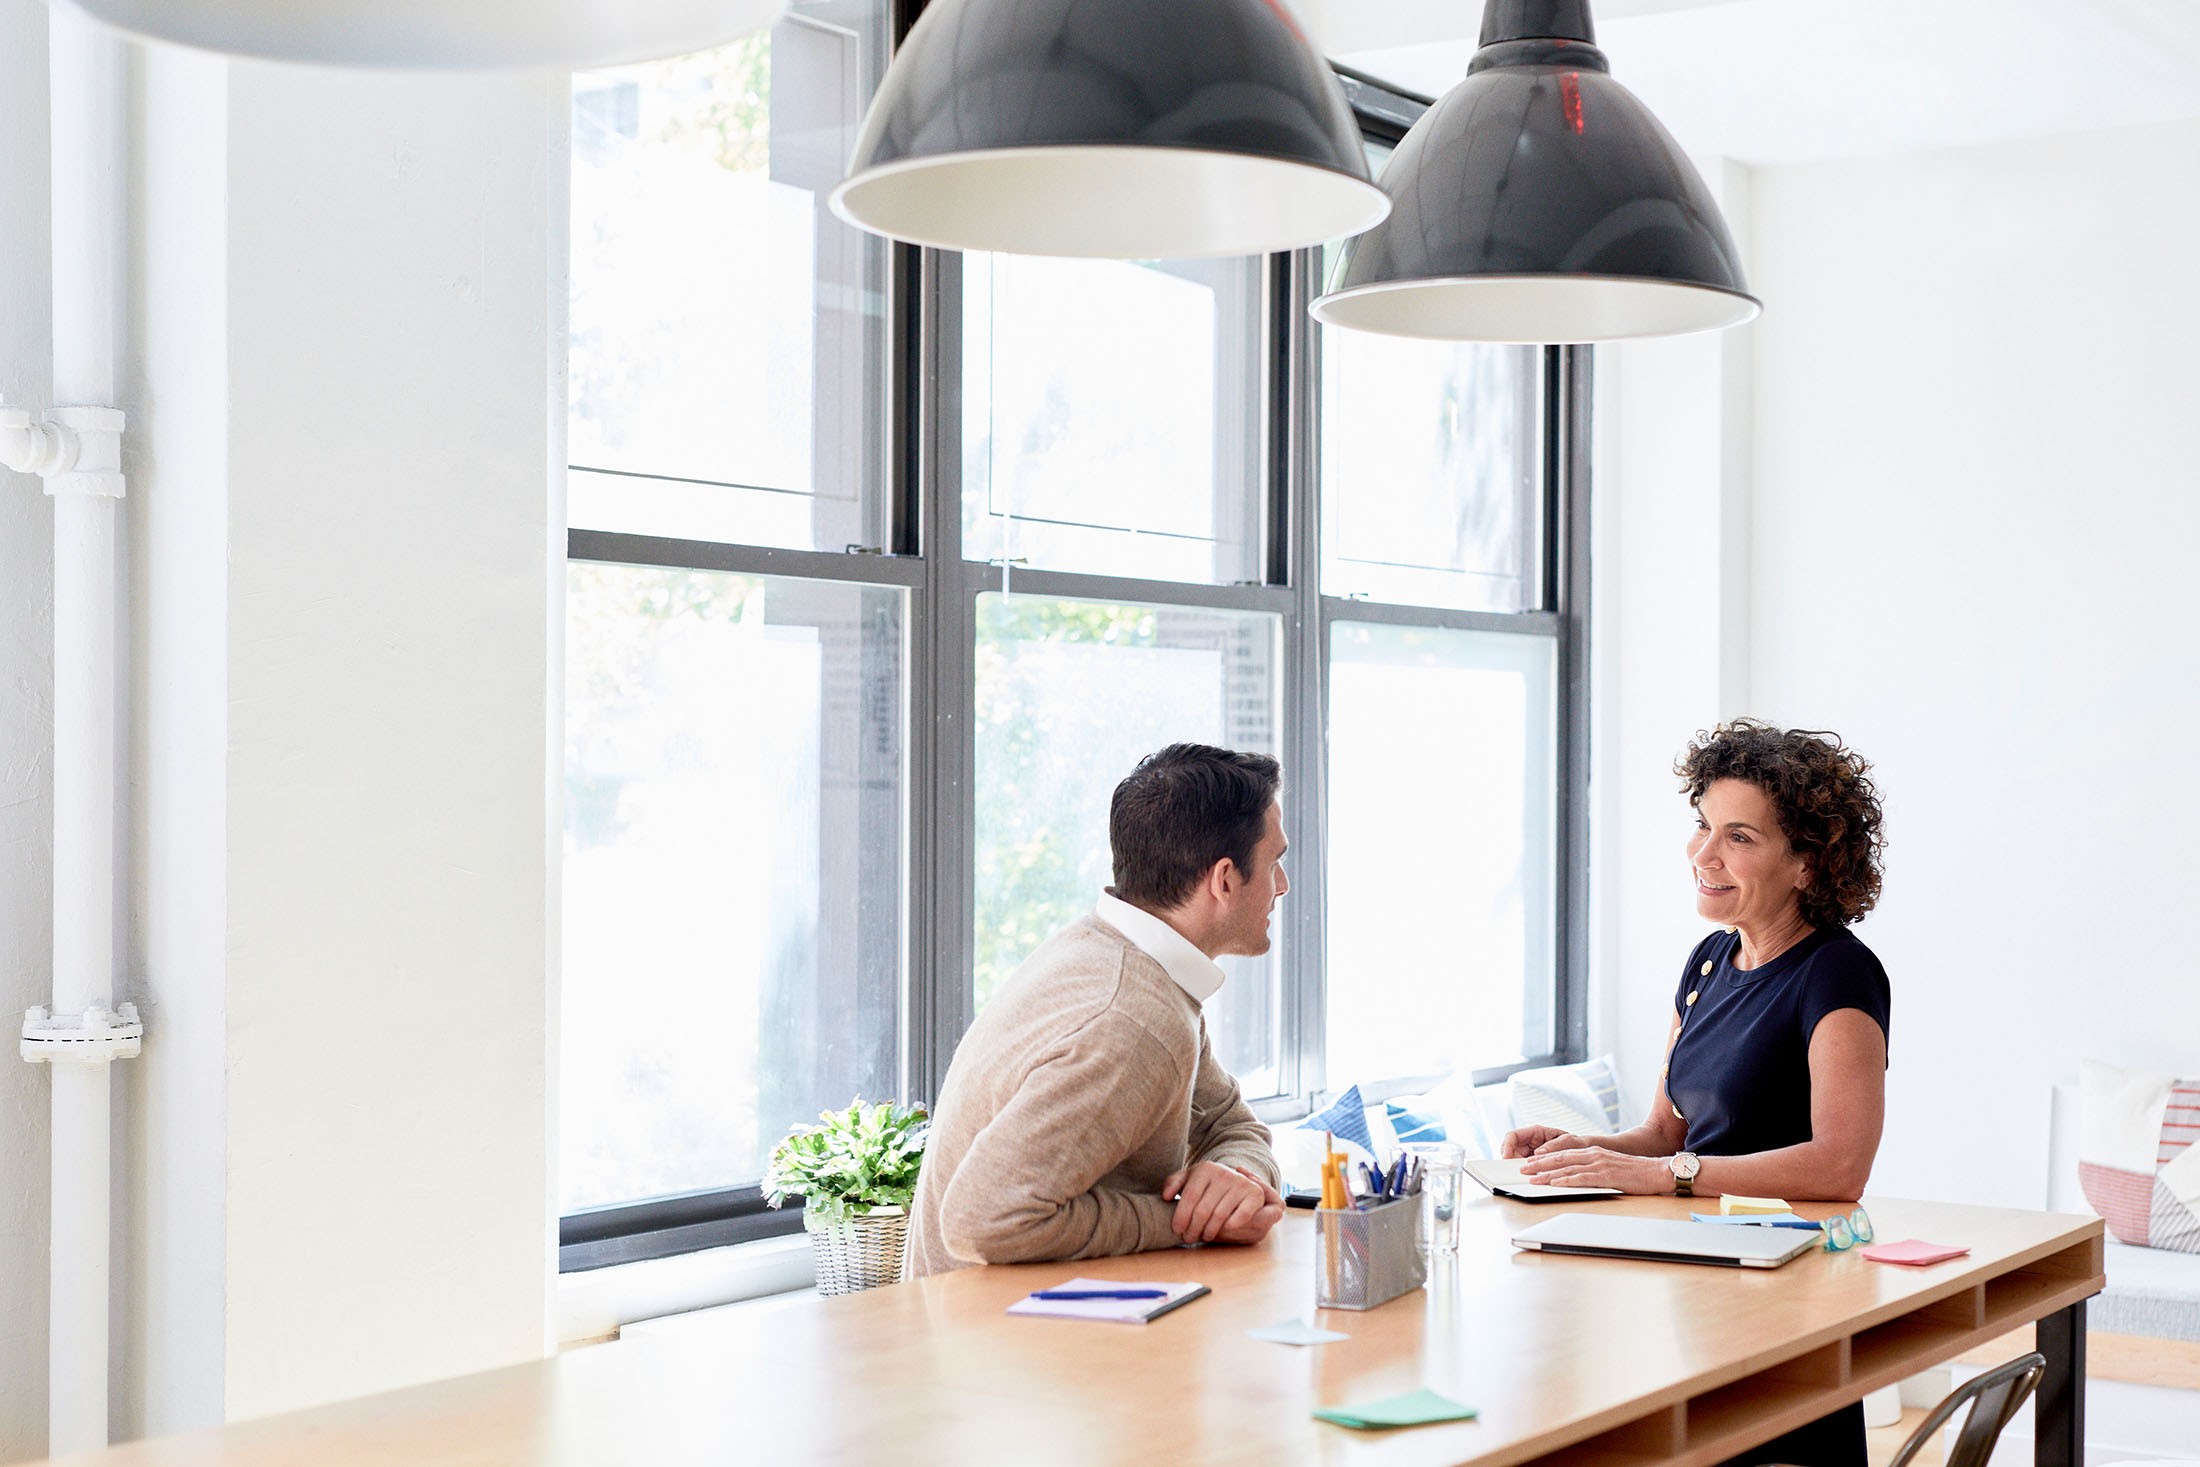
[(922, 432)]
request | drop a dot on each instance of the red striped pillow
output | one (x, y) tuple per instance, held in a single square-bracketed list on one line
[(2136, 1160)]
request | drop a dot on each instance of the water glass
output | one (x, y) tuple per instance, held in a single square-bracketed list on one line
[(1440, 1163)]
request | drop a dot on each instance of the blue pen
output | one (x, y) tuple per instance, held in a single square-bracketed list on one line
[(1099, 1293)]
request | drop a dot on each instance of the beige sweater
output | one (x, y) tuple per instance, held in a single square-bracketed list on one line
[(1084, 1084)]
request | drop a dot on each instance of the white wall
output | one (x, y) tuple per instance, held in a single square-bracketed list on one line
[(1669, 645), (173, 1202), (1969, 509), (335, 1173), (26, 732), (1976, 503), (389, 508)]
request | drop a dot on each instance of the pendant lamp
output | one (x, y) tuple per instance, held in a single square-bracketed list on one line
[(1114, 129), (1540, 202), (442, 34)]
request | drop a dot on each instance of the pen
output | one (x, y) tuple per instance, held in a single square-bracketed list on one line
[(1099, 1293)]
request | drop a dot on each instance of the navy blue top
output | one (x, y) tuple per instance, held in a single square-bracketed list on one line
[(1740, 1071)]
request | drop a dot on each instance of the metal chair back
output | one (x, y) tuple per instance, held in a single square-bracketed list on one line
[(1993, 1398)]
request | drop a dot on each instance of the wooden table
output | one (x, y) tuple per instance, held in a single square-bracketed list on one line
[(1583, 1362)]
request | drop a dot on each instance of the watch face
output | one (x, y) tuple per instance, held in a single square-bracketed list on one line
[(1686, 1165)]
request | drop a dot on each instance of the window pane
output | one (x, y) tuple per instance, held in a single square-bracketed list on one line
[(727, 341), (1111, 415), (1070, 695), (1442, 833), (1430, 476), (733, 870)]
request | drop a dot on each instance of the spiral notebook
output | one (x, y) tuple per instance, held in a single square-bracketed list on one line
[(1114, 1311)]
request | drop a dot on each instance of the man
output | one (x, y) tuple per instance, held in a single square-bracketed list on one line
[(1085, 1114)]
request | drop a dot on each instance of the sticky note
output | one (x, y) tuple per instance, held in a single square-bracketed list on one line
[(1296, 1332), (1912, 1251), (1416, 1408), (1731, 1203)]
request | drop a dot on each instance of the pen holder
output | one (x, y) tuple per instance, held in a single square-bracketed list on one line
[(1363, 1259)]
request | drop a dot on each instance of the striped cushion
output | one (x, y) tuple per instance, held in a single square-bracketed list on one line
[(2136, 1160), (1578, 1098)]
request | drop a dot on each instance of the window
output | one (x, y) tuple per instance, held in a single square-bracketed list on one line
[(1110, 415), (732, 869), (727, 354), (1070, 694), (887, 564)]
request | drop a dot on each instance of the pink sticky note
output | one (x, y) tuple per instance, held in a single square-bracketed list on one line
[(1912, 1251)]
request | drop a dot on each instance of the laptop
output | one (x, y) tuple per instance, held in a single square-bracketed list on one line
[(1667, 1240)]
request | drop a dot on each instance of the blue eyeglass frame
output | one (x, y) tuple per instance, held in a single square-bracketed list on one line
[(1847, 1232)]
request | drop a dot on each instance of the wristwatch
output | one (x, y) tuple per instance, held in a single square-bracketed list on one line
[(1684, 1165)]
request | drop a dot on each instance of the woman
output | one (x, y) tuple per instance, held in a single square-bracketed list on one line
[(1775, 1081)]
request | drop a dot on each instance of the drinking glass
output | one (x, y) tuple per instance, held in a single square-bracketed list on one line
[(1440, 1171)]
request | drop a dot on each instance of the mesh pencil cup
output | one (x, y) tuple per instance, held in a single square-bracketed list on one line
[(1362, 1259)]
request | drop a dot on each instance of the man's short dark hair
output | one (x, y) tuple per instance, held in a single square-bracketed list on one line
[(1180, 811)]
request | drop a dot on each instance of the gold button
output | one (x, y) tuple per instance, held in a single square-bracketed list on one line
[(1691, 1000), (1729, 931), (1677, 1114), (1664, 1070), (1706, 968)]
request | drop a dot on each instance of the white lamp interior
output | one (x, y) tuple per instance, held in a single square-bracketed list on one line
[(442, 34), (1115, 202), (1534, 309)]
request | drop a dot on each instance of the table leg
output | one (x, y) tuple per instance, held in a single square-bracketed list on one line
[(2058, 1411)]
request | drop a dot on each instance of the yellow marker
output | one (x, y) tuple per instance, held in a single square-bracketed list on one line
[(1731, 1204)]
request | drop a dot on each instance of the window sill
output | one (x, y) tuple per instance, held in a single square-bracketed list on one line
[(598, 1303)]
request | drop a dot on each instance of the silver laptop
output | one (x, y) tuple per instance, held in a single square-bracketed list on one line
[(1667, 1240)]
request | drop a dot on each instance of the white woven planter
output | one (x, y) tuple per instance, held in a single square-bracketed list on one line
[(861, 1254)]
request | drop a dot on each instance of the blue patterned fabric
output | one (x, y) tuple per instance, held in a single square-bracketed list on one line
[(1416, 1123), (1346, 1119)]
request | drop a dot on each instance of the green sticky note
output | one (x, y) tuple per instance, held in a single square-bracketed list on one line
[(1415, 1408)]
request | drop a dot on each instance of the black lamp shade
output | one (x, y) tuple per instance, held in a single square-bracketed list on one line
[(1120, 129), (1540, 202)]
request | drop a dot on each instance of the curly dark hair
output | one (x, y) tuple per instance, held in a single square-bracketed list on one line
[(1822, 793)]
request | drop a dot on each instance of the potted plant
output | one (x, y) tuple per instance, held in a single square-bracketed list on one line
[(856, 1171)]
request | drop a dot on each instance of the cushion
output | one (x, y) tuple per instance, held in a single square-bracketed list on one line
[(1412, 1119), (2136, 1161), (1579, 1098), (1452, 1111), (1299, 1149)]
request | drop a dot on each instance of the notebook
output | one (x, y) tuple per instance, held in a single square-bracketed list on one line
[(1116, 1311), (1666, 1240), (1503, 1179)]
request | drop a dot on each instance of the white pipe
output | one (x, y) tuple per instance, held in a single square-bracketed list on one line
[(86, 73)]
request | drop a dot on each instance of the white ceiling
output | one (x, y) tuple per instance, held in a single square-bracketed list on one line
[(1791, 81)]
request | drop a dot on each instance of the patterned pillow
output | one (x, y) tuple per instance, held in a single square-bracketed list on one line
[(1414, 1119), (1346, 1119), (1583, 1097), (2136, 1160)]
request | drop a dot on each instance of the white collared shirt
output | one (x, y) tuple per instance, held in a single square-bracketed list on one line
[(1194, 972)]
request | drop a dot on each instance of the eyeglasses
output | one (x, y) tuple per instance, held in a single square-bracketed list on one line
[(1847, 1232)]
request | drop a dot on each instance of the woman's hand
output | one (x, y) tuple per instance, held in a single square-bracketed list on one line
[(1596, 1166), (1536, 1140)]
